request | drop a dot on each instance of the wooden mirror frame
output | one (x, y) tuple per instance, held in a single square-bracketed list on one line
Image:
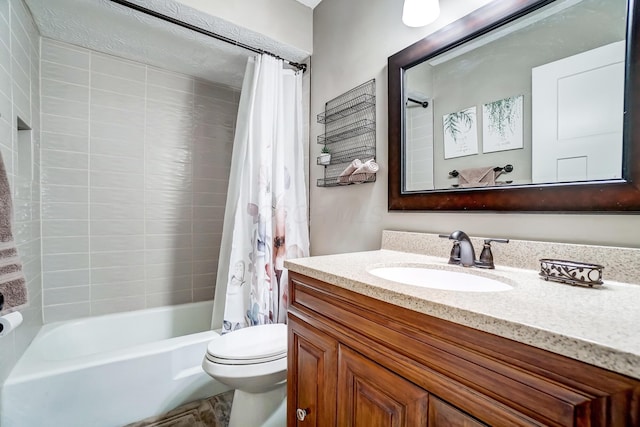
[(618, 195)]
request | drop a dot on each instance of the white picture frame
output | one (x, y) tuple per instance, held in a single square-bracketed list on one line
[(460, 133), (502, 125)]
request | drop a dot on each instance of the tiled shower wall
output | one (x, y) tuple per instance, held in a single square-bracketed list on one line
[(20, 97), (135, 164)]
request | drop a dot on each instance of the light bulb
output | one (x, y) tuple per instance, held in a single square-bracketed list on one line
[(418, 13)]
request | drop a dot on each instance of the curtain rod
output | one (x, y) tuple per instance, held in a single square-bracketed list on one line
[(183, 24)]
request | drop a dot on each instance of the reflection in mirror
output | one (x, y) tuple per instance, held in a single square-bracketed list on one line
[(544, 93)]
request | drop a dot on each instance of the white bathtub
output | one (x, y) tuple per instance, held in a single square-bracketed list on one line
[(111, 370)]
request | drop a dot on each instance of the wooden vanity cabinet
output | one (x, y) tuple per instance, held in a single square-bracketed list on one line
[(356, 361)]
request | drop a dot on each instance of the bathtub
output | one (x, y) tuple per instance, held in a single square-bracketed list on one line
[(111, 370)]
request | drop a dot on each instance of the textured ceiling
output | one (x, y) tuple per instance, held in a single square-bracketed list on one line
[(114, 29), (311, 3)]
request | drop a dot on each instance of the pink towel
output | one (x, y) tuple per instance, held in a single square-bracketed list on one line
[(13, 285), (477, 177), (364, 173), (343, 178)]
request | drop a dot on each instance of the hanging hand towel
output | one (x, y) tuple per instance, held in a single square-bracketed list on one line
[(477, 177), (364, 173), (343, 178), (12, 281)]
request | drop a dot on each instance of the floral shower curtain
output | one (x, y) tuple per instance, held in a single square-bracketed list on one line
[(266, 216)]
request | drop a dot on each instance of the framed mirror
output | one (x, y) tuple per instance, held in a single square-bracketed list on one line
[(523, 105)]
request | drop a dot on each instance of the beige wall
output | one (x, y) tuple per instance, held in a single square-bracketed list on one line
[(286, 21), (352, 41)]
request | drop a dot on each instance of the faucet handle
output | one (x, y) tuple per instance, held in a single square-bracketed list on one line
[(454, 257), (486, 256)]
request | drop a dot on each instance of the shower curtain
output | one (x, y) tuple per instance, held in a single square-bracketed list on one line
[(266, 211)]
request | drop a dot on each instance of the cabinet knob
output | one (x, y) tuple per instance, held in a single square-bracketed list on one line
[(301, 414)]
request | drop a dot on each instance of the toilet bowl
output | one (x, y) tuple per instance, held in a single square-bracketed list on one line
[(253, 361)]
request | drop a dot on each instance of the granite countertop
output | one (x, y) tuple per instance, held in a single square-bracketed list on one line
[(595, 325)]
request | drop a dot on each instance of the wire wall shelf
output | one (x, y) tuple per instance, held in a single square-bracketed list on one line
[(350, 133), (351, 106)]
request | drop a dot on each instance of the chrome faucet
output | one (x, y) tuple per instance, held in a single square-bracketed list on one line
[(463, 253)]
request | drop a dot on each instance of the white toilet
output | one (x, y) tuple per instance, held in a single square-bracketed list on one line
[(253, 361)]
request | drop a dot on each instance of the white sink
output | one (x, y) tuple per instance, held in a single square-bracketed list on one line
[(440, 279)]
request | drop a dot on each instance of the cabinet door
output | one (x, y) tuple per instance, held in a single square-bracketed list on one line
[(369, 395), (444, 415), (312, 375)]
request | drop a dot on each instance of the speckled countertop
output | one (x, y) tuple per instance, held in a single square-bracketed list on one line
[(595, 325)]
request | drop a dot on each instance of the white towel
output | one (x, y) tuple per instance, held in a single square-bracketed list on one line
[(364, 173), (343, 178)]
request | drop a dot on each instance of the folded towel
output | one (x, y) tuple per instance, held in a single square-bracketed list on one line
[(477, 177), (12, 282), (343, 178), (364, 173)]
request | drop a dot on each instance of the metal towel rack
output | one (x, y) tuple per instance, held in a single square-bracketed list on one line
[(506, 169)]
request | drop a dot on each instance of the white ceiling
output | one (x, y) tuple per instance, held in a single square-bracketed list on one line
[(311, 3), (114, 29)]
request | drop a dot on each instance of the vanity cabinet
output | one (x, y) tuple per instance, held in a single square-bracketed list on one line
[(357, 361)]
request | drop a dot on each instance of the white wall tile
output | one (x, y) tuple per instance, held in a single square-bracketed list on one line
[(117, 243), (117, 67), (62, 53), (118, 290), (66, 295), (62, 228), (119, 147), (117, 100), (204, 281), (62, 176), (54, 210), (168, 284), (65, 125), (120, 274), (169, 241), (121, 220), (117, 227), (117, 305), (105, 114), (60, 245), (65, 159), (120, 258), (170, 80), (57, 141), (58, 89), (101, 179), (65, 107), (178, 269), (58, 262), (55, 313), (65, 193), (179, 297), (64, 73), (110, 211), (116, 195), (117, 84), (203, 294), (169, 96)]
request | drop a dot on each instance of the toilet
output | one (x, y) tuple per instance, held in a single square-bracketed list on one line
[(253, 361)]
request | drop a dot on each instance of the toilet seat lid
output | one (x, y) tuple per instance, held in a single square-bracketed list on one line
[(255, 344)]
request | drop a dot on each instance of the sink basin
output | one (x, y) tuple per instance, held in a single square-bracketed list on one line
[(425, 277)]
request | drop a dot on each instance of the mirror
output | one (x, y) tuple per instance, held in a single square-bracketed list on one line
[(521, 105)]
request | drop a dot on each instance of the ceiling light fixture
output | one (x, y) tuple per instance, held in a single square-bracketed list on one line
[(418, 13)]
